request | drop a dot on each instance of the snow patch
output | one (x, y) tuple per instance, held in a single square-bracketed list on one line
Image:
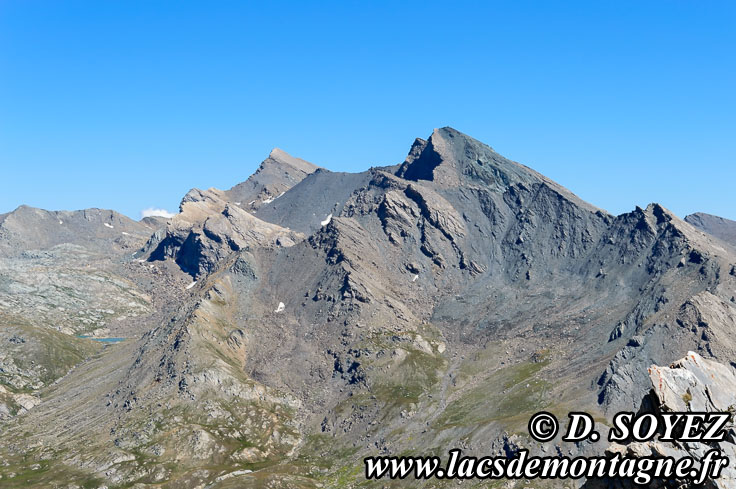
[(414, 278), (268, 201), (237, 203), (191, 285), (126, 234), (61, 222), (281, 307), (251, 202), (326, 221), (108, 225)]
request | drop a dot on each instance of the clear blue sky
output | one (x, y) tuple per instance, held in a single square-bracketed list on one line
[(128, 104)]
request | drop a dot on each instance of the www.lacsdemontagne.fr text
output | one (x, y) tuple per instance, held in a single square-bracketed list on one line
[(641, 470)]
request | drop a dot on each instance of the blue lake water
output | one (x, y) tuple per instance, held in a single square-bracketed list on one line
[(102, 340)]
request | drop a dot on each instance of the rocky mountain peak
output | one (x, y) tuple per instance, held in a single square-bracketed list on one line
[(452, 158), (280, 157), (694, 230), (275, 175)]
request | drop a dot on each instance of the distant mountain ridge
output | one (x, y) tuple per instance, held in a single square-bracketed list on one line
[(719, 227), (31, 228)]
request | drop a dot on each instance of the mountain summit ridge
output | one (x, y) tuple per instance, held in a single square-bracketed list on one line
[(452, 158)]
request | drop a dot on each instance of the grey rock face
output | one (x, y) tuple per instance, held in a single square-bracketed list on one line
[(327, 192)]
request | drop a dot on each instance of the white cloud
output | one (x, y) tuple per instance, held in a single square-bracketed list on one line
[(151, 212)]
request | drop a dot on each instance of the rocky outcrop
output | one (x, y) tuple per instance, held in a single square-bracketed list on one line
[(208, 229), (691, 384)]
